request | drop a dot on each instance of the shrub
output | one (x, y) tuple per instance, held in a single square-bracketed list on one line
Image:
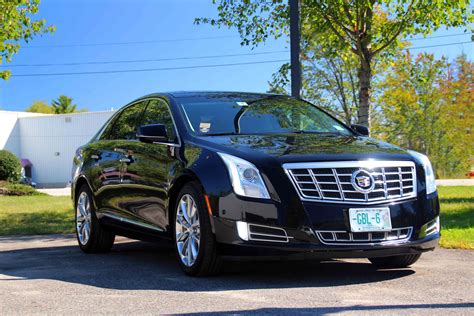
[(10, 166)]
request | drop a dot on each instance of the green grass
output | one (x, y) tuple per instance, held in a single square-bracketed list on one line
[(29, 215), (457, 217)]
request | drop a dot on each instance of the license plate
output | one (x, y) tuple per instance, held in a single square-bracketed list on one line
[(370, 219)]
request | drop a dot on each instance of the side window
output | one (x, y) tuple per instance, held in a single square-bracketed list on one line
[(124, 126), (157, 112)]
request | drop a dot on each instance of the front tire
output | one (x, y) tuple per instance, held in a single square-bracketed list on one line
[(403, 261), (90, 235), (194, 241)]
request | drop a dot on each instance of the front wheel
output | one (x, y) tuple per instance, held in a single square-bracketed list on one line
[(90, 235), (194, 241), (403, 261)]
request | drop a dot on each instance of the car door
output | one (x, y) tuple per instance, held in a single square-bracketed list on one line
[(112, 155), (146, 180)]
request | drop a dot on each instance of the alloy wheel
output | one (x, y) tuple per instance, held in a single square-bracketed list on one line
[(187, 228), (83, 218)]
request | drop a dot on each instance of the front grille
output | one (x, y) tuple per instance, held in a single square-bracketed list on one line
[(333, 181), (343, 237)]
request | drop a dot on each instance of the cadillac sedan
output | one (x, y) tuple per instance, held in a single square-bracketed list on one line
[(227, 175)]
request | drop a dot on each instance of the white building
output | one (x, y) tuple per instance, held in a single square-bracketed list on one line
[(48, 141)]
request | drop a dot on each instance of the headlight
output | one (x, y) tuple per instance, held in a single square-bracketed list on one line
[(245, 177), (430, 177)]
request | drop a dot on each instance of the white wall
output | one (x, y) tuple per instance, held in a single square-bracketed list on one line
[(10, 130), (50, 142)]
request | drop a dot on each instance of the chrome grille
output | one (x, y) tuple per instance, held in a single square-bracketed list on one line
[(343, 237), (332, 181)]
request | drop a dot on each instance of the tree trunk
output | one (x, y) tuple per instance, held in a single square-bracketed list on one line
[(365, 78)]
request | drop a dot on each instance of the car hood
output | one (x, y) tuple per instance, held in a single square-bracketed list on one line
[(305, 147)]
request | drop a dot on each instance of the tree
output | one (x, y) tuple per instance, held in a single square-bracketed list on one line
[(16, 24), (40, 107), (426, 104), (329, 78), (63, 105), (349, 24), (327, 82)]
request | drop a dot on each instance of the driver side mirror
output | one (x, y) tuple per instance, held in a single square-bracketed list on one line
[(360, 129), (152, 133)]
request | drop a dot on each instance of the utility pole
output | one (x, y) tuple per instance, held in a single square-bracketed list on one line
[(295, 48)]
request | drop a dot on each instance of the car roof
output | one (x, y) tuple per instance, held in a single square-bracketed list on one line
[(213, 94)]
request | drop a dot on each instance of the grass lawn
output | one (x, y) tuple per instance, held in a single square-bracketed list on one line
[(457, 217), (29, 215)]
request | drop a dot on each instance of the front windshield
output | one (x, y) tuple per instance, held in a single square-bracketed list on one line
[(265, 115)]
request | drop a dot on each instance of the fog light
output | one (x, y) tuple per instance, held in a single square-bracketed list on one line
[(432, 227), (243, 230)]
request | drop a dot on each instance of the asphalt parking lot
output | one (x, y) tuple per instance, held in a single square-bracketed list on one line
[(49, 275)]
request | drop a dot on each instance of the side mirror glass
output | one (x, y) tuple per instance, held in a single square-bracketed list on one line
[(152, 133), (360, 129)]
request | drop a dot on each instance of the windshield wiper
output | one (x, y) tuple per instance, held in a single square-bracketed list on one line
[(315, 132), (221, 134)]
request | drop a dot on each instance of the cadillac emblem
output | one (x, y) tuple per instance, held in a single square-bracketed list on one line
[(362, 181)]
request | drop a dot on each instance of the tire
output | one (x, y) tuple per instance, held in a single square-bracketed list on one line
[(98, 239), (205, 261), (403, 261)]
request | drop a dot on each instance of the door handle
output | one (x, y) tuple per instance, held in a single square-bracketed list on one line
[(95, 157), (125, 160)]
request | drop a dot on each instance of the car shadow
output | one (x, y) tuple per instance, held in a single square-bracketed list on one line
[(359, 309), (146, 266)]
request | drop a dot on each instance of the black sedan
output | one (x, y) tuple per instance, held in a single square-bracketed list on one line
[(230, 175)]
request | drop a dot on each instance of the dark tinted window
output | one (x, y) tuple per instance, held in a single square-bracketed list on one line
[(157, 112), (124, 126), (267, 114)]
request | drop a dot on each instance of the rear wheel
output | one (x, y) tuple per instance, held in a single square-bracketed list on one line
[(90, 235), (395, 261), (194, 241)]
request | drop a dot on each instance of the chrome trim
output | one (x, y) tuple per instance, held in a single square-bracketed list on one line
[(369, 164), (125, 160), (364, 164), (432, 227), (387, 240), (250, 233), (129, 221), (187, 118)]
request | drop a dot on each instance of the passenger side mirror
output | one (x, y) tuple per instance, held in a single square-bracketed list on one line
[(360, 129), (152, 133)]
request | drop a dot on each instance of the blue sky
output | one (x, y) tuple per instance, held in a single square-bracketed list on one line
[(111, 21)]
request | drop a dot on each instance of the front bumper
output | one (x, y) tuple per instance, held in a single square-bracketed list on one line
[(232, 246), (303, 241)]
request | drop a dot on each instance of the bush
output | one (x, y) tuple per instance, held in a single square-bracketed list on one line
[(8, 188), (10, 167)]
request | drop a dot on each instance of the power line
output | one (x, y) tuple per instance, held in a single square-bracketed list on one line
[(180, 58), (143, 60), (183, 40), (436, 36), (147, 69), (190, 67), (439, 45), (134, 42)]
